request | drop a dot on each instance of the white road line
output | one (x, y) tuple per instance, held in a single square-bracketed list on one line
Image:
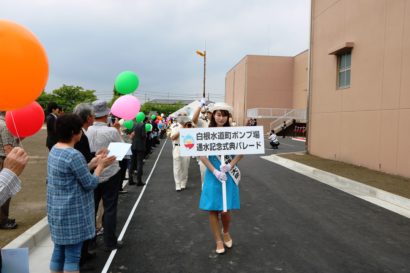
[(124, 229)]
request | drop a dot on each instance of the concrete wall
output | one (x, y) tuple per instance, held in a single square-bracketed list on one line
[(367, 124)]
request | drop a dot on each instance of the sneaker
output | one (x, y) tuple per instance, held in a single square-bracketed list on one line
[(8, 225)]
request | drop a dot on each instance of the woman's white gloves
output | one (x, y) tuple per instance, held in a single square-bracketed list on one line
[(220, 175), (225, 168)]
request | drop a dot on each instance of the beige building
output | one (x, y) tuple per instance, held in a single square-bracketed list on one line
[(360, 83), (269, 88)]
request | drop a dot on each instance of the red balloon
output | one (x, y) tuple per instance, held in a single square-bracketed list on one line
[(26, 121)]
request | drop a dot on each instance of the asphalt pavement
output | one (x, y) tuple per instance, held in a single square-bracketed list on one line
[(287, 223)]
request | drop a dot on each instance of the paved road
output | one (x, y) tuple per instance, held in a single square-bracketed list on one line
[(287, 223)]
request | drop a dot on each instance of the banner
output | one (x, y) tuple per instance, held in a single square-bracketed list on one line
[(222, 141)]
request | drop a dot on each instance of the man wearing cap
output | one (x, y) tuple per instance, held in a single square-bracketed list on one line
[(180, 163), (100, 135)]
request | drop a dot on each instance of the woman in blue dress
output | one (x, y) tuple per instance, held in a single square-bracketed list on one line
[(211, 196)]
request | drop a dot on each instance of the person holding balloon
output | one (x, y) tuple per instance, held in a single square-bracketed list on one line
[(7, 143)]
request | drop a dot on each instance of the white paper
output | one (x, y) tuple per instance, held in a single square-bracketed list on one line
[(119, 149), (15, 260)]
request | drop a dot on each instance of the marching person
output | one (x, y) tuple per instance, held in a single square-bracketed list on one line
[(180, 163), (215, 175), (202, 116)]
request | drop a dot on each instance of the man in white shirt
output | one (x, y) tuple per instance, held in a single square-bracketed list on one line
[(180, 163)]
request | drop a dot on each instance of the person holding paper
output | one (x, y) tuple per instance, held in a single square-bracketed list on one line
[(70, 198), (216, 174), (100, 135)]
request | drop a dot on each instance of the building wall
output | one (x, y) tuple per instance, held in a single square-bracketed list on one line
[(266, 82), (300, 80), (235, 91), (368, 123)]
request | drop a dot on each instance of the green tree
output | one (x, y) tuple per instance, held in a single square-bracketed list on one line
[(67, 96), (44, 99)]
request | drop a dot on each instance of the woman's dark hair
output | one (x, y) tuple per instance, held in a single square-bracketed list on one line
[(67, 126), (224, 113)]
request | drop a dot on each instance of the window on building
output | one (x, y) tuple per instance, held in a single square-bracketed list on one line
[(344, 61)]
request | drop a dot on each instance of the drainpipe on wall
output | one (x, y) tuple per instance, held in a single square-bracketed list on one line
[(309, 97)]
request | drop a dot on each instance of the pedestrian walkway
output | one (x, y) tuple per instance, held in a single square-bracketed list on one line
[(288, 222)]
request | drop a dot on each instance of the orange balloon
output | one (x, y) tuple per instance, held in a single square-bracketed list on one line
[(23, 66)]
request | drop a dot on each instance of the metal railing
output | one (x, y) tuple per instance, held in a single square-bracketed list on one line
[(279, 115)]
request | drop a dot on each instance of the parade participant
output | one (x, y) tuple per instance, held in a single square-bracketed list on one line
[(211, 195), (70, 199), (180, 163), (202, 117)]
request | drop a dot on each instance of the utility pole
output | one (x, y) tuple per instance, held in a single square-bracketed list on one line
[(203, 54)]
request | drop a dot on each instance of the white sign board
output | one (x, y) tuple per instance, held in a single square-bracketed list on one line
[(222, 141)]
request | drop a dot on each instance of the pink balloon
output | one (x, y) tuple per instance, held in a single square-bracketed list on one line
[(126, 107), (26, 121)]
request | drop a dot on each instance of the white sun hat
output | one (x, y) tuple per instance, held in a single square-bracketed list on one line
[(221, 106)]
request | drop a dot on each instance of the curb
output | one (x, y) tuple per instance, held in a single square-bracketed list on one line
[(390, 201), (31, 237)]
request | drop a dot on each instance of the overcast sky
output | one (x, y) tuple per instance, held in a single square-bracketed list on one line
[(89, 42)]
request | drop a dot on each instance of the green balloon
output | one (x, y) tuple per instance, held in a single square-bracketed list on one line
[(153, 117), (140, 117), (148, 127), (126, 82), (129, 124)]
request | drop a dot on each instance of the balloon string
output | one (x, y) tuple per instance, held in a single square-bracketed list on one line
[(15, 128)]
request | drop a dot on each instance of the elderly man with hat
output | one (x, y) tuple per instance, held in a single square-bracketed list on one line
[(181, 163), (100, 135)]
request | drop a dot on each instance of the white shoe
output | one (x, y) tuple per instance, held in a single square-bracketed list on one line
[(228, 240), (219, 250)]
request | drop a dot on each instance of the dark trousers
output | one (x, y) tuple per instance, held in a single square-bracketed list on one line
[(123, 170), (4, 211), (5, 208), (108, 191), (136, 165)]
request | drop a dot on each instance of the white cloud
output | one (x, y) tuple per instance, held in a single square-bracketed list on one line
[(89, 42)]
